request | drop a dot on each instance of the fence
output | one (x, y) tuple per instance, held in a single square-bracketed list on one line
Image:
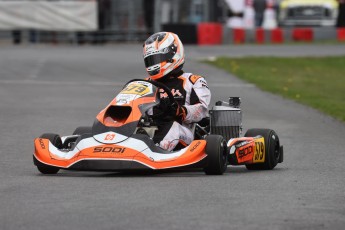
[(119, 20)]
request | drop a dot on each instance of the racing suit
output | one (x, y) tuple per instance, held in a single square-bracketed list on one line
[(192, 93)]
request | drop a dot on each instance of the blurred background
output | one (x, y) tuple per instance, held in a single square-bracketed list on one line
[(228, 21)]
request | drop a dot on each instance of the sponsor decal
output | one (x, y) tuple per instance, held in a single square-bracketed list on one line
[(124, 98), (195, 146), (204, 84), (167, 144), (109, 137), (122, 102), (42, 143), (175, 92), (165, 50), (194, 78), (245, 151), (162, 94), (149, 48), (115, 150)]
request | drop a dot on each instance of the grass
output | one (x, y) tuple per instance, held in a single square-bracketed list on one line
[(318, 82)]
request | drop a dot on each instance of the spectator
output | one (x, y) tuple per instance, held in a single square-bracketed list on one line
[(259, 7), (17, 36), (235, 13), (104, 13), (149, 9), (341, 15)]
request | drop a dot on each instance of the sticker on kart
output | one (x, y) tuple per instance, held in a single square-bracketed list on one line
[(245, 153), (259, 150), (137, 88), (122, 99)]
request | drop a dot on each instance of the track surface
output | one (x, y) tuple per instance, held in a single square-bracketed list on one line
[(55, 89)]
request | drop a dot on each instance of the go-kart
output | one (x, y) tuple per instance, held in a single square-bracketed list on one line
[(121, 139)]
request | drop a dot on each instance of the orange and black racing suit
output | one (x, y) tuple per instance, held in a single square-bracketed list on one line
[(191, 92)]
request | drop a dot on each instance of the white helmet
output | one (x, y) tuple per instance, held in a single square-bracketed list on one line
[(163, 53)]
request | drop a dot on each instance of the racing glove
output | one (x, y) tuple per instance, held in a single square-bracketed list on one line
[(171, 111), (179, 111)]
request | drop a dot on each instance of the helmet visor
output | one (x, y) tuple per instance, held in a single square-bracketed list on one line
[(157, 59)]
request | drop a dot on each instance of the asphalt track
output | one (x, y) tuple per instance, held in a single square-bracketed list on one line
[(57, 88)]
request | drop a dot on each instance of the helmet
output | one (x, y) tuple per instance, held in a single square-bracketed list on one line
[(163, 52)]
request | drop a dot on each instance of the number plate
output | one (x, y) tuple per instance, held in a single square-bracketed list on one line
[(259, 152), (136, 89)]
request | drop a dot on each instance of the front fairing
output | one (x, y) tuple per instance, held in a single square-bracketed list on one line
[(120, 118)]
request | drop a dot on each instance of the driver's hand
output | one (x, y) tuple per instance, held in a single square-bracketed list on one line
[(170, 111), (162, 107), (162, 110), (179, 111)]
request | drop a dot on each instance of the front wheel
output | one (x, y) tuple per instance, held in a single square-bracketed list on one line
[(216, 151), (43, 168), (272, 149)]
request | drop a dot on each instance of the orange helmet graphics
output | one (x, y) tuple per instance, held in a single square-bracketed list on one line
[(163, 52)]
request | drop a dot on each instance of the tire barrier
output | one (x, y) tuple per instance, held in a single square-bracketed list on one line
[(303, 34), (210, 34), (341, 34), (239, 36), (277, 36), (260, 36), (216, 33)]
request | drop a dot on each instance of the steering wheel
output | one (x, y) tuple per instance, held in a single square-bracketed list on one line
[(172, 101)]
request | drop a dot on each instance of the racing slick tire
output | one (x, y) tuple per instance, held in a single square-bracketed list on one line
[(82, 130), (272, 149), (217, 155), (56, 141)]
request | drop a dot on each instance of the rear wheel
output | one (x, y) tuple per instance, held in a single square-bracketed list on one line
[(56, 141), (82, 130), (216, 151), (272, 149)]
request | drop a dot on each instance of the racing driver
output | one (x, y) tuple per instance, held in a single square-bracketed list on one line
[(164, 58)]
